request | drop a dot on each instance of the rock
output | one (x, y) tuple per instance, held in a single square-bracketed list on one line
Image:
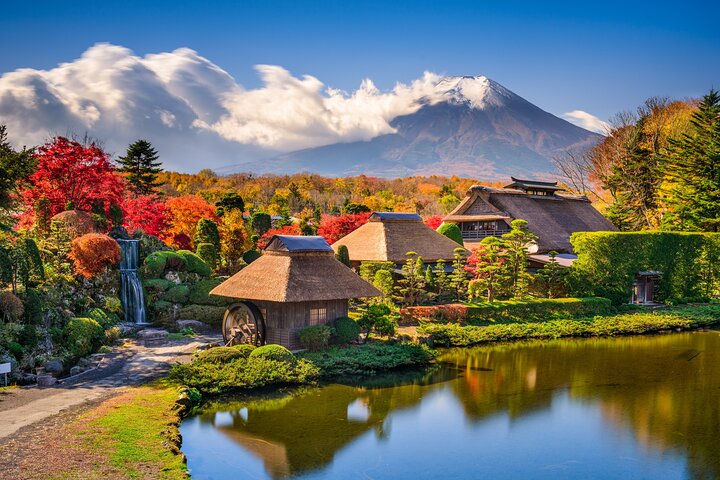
[(152, 336), (173, 276), (194, 324), (24, 378), (119, 233), (76, 370), (46, 380), (54, 367)]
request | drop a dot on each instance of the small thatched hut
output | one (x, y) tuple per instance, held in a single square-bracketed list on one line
[(388, 236), (297, 282), (552, 216)]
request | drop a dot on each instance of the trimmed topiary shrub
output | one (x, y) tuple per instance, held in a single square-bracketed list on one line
[(346, 330), (157, 285), (200, 293), (176, 294), (93, 253), (195, 264), (208, 253), (161, 312), (452, 231), (156, 263), (250, 256), (203, 313), (33, 307), (315, 337), (82, 336), (11, 307), (343, 255), (273, 352), (245, 349), (105, 319), (220, 355)]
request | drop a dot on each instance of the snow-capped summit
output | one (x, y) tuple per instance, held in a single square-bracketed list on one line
[(478, 92)]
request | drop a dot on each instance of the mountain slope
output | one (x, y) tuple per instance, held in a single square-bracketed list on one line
[(468, 126)]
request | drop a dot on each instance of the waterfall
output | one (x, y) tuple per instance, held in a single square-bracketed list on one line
[(131, 291)]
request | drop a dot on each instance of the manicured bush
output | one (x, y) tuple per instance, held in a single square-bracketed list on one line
[(346, 330), (315, 337), (250, 256), (686, 300), (11, 307), (219, 355), (452, 231), (105, 319), (176, 294), (75, 222), (157, 285), (260, 222), (245, 349), (203, 313), (243, 374), (277, 353), (161, 312), (33, 304), (82, 336), (454, 335), (113, 305), (343, 255), (200, 293), (112, 334), (208, 253), (194, 263), (608, 263), (369, 269), (368, 359), (93, 253)]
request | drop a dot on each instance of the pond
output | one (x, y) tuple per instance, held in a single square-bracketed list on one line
[(631, 407)]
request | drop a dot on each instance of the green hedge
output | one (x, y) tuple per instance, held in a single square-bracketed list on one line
[(608, 263), (454, 335), (157, 263), (200, 293), (103, 318), (176, 294), (195, 264), (368, 359), (540, 309)]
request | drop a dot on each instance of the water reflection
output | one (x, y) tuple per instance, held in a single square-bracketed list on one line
[(635, 406)]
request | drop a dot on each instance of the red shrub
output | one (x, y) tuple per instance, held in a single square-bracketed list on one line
[(145, 212), (93, 253), (333, 228), (453, 313), (286, 230), (434, 221)]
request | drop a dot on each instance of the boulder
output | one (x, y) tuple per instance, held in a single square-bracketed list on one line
[(194, 324), (173, 276), (152, 336), (54, 367), (46, 380), (76, 370)]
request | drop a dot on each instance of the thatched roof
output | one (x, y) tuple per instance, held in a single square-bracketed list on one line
[(296, 269), (553, 218), (388, 236)]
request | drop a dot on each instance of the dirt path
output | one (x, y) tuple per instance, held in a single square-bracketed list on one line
[(24, 407)]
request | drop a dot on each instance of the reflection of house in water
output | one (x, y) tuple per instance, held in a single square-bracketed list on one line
[(304, 432)]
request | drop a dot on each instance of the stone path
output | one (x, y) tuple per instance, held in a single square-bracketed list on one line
[(132, 365)]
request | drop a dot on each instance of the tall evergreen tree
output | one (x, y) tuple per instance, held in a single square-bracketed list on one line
[(16, 166), (692, 165), (141, 166), (517, 242)]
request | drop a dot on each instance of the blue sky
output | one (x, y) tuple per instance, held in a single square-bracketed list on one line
[(599, 57)]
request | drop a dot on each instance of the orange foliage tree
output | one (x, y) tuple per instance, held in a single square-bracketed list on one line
[(93, 253), (183, 214)]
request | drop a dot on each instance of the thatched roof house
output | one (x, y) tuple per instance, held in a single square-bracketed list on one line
[(388, 236), (297, 282), (552, 216)]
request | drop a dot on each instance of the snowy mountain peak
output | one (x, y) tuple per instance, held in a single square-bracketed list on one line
[(478, 92)]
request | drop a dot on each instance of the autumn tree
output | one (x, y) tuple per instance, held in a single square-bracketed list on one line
[(267, 236), (229, 202), (141, 167), (232, 239), (692, 162), (70, 172), (146, 213), (517, 241), (411, 287), (488, 264), (184, 213), (334, 228)]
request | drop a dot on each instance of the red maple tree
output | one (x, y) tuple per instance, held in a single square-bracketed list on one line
[(145, 212), (434, 221), (68, 171), (334, 228), (286, 230)]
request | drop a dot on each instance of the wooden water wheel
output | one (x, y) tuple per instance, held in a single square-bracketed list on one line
[(243, 323)]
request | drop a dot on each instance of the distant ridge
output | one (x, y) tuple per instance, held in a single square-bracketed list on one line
[(468, 126)]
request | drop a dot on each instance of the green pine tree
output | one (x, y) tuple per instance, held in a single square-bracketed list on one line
[(491, 271), (141, 166), (692, 164), (442, 281), (343, 255), (458, 277), (412, 284), (553, 276), (16, 166), (517, 242)]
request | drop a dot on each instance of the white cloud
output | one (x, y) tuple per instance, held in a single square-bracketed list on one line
[(587, 121)]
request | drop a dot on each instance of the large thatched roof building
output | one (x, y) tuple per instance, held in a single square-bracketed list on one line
[(297, 282), (552, 216), (388, 236)]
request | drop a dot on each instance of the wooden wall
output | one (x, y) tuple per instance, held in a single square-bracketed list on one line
[(284, 320)]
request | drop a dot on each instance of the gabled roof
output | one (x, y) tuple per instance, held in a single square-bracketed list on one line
[(296, 269), (552, 218), (533, 185), (388, 237)]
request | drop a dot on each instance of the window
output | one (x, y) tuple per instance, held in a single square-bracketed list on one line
[(318, 315)]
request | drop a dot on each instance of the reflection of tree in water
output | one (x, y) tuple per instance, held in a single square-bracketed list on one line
[(302, 431), (665, 388)]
